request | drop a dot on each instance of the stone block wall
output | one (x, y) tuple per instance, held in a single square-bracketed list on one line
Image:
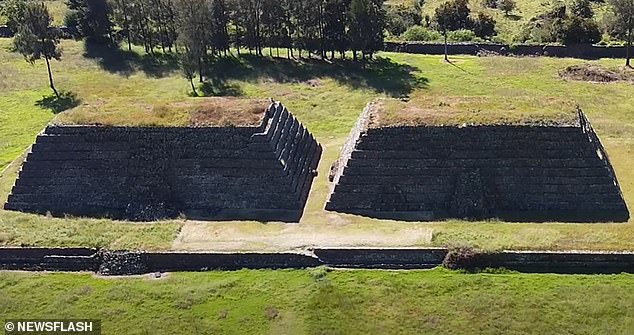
[(515, 173), (583, 51), (143, 174)]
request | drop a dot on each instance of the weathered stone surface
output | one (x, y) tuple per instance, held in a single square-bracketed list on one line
[(144, 174), (519, 173)]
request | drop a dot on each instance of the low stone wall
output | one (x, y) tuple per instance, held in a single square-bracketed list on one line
[(5, 32), (49, 259), (136, 262), (583, 51), (143, 174)]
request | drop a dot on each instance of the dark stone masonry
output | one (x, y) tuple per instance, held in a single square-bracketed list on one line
[(513, 173), (143, 174)]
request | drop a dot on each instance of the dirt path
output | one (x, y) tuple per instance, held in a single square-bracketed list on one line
[(335, 232)]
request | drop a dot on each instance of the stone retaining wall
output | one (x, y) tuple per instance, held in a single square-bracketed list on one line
[(144, 174), (515, 173), (583, 51), (136, 262)]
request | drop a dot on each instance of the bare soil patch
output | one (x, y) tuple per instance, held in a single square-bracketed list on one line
[(596, 74), (277, 237)]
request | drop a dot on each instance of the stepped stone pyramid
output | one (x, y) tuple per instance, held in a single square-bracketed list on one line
[(515, 173), (145, 173)]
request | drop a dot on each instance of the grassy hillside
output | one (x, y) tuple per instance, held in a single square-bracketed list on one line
[(320, 302), (57, 9), (507, 26), (327, 98)]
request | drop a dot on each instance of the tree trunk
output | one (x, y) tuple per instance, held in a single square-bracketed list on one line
[(200, 70), (628, 48), (50, 77), (127, 26), (191, 82), (446, 52)]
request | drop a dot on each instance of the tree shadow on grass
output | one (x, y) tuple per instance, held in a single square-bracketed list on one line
[(220, 88), (66, 100), (123, 62), (381, 74)]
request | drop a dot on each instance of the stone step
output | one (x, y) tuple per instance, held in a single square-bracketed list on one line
[(481, 132), (260, 203), (455, 167), (80, 209), (475, 153), (226, 163), (464, 144), (69, 200), (75, 180), (77, 155), (428, 178)]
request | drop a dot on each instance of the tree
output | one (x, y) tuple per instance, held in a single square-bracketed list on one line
[(452, 15), (621, 23), (94, 20), (581, 8), (335, 26), (271, 23), (507, 6), (192, 34), (36, 39), (366, 26), (121, 13), (220, 21), (189, 63), (13, 10)]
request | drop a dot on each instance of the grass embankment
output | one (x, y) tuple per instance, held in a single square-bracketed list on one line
[(327, 98), (319, 302)]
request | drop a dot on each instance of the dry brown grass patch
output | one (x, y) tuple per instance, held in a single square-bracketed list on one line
[(192, 112), (596, 74), (226, 112)]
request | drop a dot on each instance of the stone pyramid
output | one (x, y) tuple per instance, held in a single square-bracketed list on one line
[(259, 172)]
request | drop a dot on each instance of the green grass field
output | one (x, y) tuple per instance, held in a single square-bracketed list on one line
[(327, 99), (319, 302)]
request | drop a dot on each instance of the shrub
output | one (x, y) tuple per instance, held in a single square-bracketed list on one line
[(579, 30), (399, 18), (491, 4), (561, 26), (418, 33), (507, 6), (460, 258), (462, 35), (483, 25), (71, 19)]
